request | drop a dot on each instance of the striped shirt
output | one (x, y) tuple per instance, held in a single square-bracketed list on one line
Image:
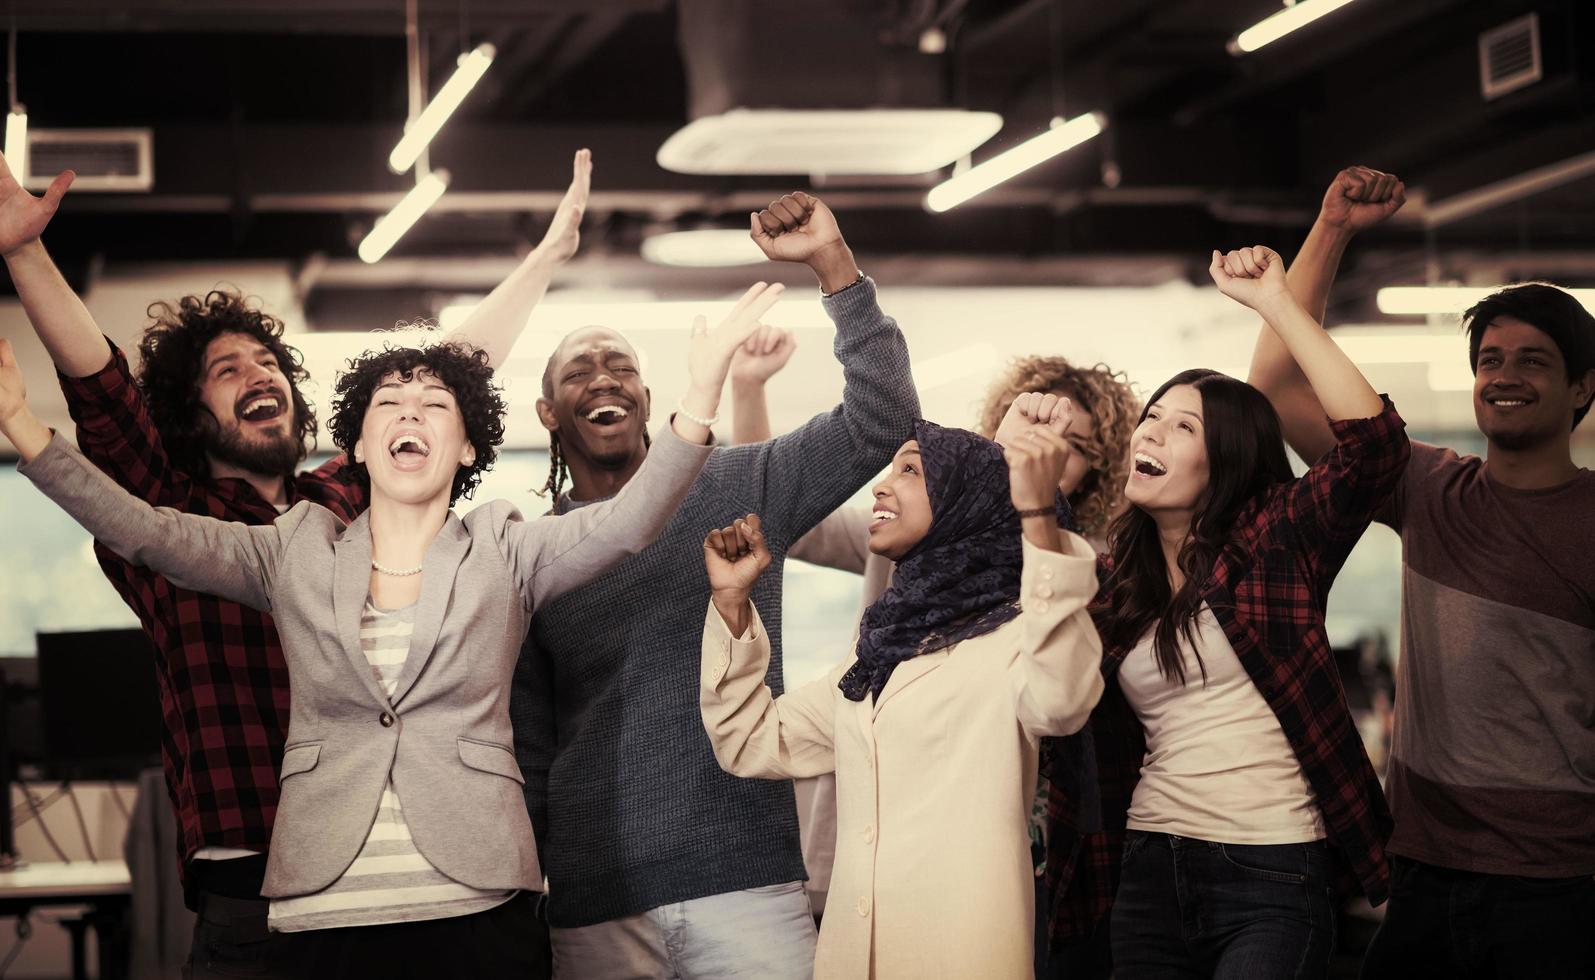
[(390, 880)]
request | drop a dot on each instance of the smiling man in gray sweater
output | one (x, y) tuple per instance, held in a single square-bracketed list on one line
[(659, 863)]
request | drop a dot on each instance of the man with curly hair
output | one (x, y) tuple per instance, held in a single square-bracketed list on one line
[(215, 424)]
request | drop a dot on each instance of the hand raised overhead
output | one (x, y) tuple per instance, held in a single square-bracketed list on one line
[(1252, 276), (23, 217), (564, 231), (1361, 197), (797, 227), (763, 355)]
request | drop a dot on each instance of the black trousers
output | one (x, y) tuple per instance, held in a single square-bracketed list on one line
[(507, 941), (230, 935), (1446, 923)]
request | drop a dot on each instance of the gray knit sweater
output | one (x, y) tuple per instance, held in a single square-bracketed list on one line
[(631, 809)]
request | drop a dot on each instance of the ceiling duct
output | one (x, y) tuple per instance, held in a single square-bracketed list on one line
[(1509, 57), (822, 88), (107, 160)]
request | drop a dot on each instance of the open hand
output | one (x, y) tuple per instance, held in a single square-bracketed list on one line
[(796, 228), (1361, 197), (1031, 409), (23, 216), (1036, 459), (763, 355), (1252, 276), (564, 232), (710, 353)]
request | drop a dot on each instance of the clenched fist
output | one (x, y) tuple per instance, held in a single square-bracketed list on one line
[(1361, 197)]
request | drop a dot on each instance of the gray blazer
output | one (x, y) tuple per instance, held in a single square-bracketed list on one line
[(445, 737)]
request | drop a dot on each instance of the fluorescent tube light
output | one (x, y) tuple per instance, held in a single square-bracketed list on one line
[(978, 179), (1422, 300), (702, 248), (1272, 28), (392, 226), (420, 132), (17, 144)]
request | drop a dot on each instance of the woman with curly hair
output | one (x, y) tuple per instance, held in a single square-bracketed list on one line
[(402, 845)]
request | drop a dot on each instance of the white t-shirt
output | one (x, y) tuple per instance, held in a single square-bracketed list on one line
[(1218, 766)]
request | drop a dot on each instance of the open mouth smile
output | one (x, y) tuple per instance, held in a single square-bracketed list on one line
[(409, 451), (606, 416), (1148, 466), (261, 407)]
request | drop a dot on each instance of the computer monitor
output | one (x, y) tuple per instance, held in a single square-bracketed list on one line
[(101, 706)]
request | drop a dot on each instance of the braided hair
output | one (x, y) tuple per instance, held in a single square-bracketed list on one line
[(558, 471)]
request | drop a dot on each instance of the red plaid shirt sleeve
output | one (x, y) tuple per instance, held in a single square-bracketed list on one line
[(1327, 509), (116, 433)]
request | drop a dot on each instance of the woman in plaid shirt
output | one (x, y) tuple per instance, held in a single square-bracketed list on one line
[(1234, 793)]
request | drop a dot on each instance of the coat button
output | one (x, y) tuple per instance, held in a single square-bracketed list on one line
[(863, 907), (1046, 573), (1042, 607), (385, 720), (869, 833), (1044, 591)]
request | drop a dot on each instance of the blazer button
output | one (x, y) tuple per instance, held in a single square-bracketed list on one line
[(863, 907), (1044, 591), (385, 720), (869, 833)]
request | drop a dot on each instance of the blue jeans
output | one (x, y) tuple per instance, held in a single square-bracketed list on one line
[(765, 933), (1446, 923), (1196, 908)]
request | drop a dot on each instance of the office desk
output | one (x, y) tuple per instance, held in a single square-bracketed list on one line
[(102, 885)]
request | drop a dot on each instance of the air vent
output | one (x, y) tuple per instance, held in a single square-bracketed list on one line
[(822, 142), (1509, 57), (107, 160)]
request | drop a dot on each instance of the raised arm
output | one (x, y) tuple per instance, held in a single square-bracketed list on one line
[(1255, 277), (497, 321), (757, 361), (58, 316), (1357, 199), (796, 479), (230, 560), (753, 732)]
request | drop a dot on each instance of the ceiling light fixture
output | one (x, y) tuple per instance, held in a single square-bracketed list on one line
[(17, 118), (392, 226), (418, 134), (703, 248), (1292, 18), (1063, 136), (1424, 300)]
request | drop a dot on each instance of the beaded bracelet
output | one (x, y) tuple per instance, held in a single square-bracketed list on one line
[(708, 423)]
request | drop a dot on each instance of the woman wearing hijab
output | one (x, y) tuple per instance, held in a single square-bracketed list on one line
[(981, 646)]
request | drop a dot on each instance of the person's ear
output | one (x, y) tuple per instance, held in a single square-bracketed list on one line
[(545, 415), (359, 450)]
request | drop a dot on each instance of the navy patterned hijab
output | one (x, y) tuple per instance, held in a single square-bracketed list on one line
[(962, 579)]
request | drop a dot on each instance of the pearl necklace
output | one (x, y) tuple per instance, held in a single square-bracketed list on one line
[(394, 571)]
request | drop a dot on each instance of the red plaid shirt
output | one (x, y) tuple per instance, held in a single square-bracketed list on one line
[(1268, 590), (223, 681)]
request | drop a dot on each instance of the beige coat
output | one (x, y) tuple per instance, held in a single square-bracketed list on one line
[(934, 780)]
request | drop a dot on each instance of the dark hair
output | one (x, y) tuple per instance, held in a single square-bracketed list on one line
[(466, 372), (1245, 456), (172, 356), (1547, 308)]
